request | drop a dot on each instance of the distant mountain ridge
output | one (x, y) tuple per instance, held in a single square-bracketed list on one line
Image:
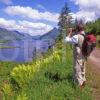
[(7, 35), (52, 34)]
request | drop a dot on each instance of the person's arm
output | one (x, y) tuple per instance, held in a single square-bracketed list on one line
[(71, 39)]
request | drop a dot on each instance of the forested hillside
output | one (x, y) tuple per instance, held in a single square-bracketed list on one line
[(94, 26)]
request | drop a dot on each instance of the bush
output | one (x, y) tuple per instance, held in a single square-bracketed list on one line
[(23, 73)]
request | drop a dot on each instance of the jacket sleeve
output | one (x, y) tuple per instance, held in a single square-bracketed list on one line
[(72, 40)]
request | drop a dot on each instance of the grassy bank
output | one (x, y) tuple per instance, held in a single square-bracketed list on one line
[(5, 41), (8, 47), (48, 78), (98, 41)]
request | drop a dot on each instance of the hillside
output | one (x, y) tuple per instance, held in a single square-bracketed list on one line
[(52, 34), (6, 35)]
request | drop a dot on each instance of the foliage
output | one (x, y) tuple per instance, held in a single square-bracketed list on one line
[(48, 78), (7, 90), (22, 96), (98, 41), (24, 73), (93, 26), (64, 21)]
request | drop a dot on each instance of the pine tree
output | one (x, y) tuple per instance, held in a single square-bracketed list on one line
[(64, 20)]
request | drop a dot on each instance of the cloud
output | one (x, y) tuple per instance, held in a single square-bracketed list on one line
[(34, 28), (88, 4), (7, 2), (25, 26), (41, 7), (34, 14), (85, 15), (88, 9), (7, 23)]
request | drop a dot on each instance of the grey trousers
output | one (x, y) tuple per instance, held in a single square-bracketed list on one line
[(78, 65)]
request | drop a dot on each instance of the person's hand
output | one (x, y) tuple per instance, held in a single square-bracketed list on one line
[(70, 30)]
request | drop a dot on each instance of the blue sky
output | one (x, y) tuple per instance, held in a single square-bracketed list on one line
[(51, 5), (37, 17)]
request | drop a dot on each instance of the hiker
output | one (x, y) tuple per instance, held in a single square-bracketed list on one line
[(78, 58)]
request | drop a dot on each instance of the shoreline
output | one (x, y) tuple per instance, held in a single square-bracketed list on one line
[(8, 47)]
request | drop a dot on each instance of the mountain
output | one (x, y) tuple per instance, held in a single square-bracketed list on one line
[(50, 35), (36, 37), (7, 35), (25, 35)]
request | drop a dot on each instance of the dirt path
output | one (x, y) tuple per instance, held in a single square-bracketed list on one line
[(95, 58), (94, 62)]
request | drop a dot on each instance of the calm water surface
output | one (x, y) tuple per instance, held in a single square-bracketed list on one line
[(25, 50)]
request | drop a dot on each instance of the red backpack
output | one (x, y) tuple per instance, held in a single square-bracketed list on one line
[(88, 45)]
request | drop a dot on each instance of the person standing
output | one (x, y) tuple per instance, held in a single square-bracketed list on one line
[(78, 58)]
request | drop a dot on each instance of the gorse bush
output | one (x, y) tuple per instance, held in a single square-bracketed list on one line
[(23, 73)]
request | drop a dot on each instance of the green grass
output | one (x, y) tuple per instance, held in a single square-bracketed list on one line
[(5, 41), (98, 41), (5, 68), (48, 78)]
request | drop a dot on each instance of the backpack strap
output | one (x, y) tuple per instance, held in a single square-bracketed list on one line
[(83, 35), (81, 38)]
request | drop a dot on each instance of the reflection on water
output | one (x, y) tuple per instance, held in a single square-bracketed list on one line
[(26, 50)]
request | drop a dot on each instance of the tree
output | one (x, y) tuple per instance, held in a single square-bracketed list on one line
[(93, 26), (64, 20)]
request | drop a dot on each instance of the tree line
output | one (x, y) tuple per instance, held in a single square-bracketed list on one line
[(95, 26)]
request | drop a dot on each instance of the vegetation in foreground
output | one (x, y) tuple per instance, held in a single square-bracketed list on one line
[(48, 78), (98, 41)]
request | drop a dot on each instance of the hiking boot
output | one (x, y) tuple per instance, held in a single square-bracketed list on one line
[(83, 85)]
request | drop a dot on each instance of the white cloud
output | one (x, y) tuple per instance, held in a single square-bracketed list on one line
[(28, 12), (7, 24), (88, 4), (34, 28), (88, 9), (7, 2), (41, 7), (85, 15), (25, 26)]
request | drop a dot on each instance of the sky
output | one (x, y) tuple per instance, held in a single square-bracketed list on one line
[(37, 17)]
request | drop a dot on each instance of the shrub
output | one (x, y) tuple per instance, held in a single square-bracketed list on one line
[(22, 96), (23, 73)]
